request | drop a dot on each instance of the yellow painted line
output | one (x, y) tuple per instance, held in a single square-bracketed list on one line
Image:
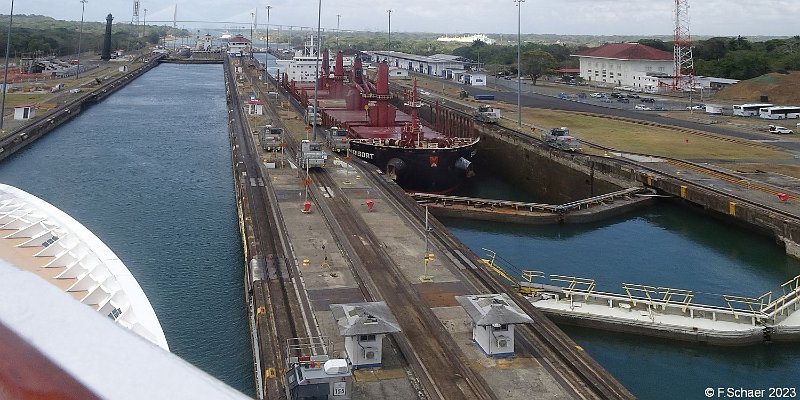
[(730, 179)]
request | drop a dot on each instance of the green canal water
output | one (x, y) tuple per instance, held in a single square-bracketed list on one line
[(663, 245)]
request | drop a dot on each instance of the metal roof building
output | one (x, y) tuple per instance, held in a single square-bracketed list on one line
[(430, 65), (363, 326), (493, 317)]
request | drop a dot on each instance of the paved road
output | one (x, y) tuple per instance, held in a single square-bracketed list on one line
[(537, 100)]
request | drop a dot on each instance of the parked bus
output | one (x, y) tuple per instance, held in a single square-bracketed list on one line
[(749, 110), (783, 112)]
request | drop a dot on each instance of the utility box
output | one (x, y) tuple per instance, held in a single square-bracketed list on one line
[(363, 326), (493, 319), (316, 376)]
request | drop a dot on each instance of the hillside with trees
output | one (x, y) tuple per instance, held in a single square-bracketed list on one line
[(41, 35)]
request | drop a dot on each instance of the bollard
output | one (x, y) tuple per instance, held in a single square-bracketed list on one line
[(370, 204), (306, 207)]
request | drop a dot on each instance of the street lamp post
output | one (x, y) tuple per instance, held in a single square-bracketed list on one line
[(252, 26), (80, 39), (144, 26), (266, 55), (519, 61), (268, 8), (338, 19), (316, 79), (5, 72), (389, 47)]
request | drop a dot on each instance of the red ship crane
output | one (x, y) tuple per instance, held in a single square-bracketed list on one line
[(411, 131), (684, 63)]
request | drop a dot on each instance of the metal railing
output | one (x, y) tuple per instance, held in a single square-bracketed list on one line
[(531, 207), (756, 310)]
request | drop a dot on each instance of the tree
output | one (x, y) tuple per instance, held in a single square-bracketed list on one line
[(656, 44), (536, 63)]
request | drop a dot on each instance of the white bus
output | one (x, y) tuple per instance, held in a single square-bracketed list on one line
[(749, 110), (783, 112)]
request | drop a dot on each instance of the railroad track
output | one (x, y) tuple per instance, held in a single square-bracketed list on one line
[(426, 344), (279, 310), (562, 355), (378, 272)]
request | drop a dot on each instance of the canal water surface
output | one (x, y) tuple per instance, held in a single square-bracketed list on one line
[(148, 171), (664, 245)]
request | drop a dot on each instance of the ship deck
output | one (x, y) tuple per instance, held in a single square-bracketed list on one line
[(39, 238)]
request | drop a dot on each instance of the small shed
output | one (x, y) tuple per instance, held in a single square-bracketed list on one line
[(255, 107), (475, 79), (398, 73), (24, 111), (363, 326), (493, 319)]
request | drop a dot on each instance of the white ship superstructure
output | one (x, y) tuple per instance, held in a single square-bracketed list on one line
[(39, 238)]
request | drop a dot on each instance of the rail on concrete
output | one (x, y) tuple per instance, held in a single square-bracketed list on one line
[(427, 198)]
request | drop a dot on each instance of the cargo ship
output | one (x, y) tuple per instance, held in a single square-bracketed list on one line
[(416, 156)]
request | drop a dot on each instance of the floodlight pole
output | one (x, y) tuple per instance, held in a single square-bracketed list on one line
[(316, 80), (80, 38), (5, 72), (519, 61), (389, 46), (266, 56)]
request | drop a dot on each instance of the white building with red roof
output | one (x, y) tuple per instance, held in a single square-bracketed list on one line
[(626, 64)]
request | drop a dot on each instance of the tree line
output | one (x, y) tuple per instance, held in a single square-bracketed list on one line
[(41, 35), (722, 57)]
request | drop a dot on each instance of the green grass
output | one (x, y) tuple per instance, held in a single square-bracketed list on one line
[(658, 141)]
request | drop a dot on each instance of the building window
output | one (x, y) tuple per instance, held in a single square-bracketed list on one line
[(366, 338), (660, 69)]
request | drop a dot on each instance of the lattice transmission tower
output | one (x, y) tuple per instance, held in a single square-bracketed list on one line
[(135, 18), (684, 64)]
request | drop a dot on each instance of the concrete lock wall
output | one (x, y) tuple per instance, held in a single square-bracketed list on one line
[(554, 176), (786, 231), (559, 176)]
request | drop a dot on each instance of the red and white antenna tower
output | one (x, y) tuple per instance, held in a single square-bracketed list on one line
[(684, 64)]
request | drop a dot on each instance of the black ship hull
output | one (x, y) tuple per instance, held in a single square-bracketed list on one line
[(430, 170)]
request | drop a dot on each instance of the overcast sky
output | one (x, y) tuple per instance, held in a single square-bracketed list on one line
[(580, 17)]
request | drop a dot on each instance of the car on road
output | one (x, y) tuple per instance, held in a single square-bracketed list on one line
[(647, 100), (424, 92), (563, 95), (597, 95), (698, 107), (779, 130), (623, 100), (633, 96), (581, 95), (606, 100), (642, 107), (617, 95)]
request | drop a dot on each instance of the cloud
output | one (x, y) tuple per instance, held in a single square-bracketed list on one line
[(587, 17)]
